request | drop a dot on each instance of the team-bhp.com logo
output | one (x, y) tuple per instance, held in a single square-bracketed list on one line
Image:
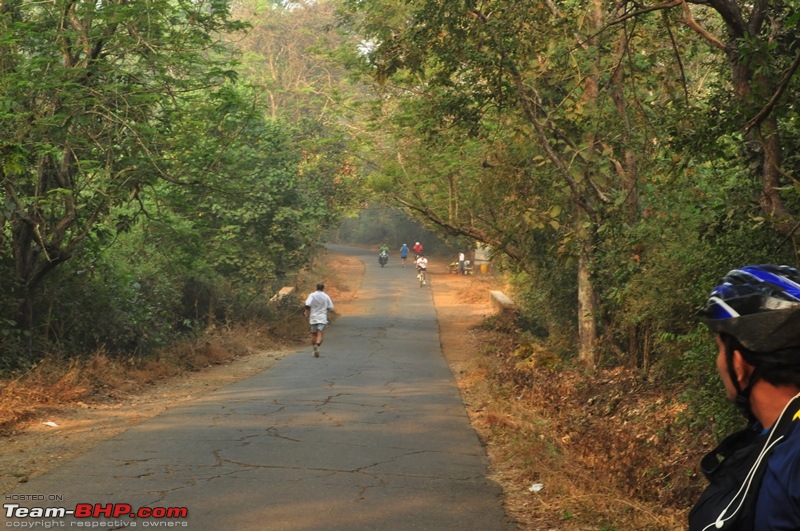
[(96, 511)]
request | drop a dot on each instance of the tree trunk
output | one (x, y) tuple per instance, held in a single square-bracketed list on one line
[(587, 327), (587, 324), (764, 135), (771, 202), (212, 308), (627, 170)]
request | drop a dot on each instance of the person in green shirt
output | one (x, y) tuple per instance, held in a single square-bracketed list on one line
[(383, 255)]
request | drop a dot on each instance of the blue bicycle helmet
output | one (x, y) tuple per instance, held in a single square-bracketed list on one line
[(759, 305)]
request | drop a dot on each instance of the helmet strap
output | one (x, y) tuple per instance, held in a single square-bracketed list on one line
[(742, 399)]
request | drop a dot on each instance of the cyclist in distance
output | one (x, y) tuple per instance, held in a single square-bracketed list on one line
[(422, 269), (754, 474)]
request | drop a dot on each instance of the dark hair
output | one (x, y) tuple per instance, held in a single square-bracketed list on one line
[(320, 287), (771, 367)]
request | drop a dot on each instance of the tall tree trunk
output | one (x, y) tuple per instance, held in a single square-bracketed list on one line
[(587, 308), (747, 21), (765, 140)]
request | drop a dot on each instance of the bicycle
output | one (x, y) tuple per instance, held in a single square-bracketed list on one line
[(422, 276)]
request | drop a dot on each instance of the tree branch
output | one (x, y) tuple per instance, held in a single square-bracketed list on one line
[(689, 20), (528, 105), (454, 230), (767, 109), (644, 11)]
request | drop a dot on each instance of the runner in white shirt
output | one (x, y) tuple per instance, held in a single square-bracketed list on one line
[(318, 304)]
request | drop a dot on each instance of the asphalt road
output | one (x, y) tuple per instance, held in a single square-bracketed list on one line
[(372, 435)]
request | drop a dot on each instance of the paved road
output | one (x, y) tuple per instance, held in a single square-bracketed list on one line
[(372, 435)]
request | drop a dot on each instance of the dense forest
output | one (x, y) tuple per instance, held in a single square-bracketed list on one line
[(167, 165), (160, 173)]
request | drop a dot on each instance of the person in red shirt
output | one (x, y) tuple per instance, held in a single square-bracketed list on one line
[(417, 249)]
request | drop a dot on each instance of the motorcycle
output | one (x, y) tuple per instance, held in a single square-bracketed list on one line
[(383, 258)]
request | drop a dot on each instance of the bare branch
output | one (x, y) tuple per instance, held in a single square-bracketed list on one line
[(644, 11), (689, 20)]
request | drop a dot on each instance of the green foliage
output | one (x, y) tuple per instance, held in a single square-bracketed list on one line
[(563, 135), (708, 411), (547, 304), (82, 86), (118, 302), (145, 194)]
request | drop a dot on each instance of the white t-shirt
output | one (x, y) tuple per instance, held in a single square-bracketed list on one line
[(319, 304), (422, 262)]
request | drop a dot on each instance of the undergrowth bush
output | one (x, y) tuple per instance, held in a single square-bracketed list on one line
[(661, 421), (57, 380)]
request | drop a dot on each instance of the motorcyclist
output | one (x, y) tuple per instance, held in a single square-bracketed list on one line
[(383, 255)]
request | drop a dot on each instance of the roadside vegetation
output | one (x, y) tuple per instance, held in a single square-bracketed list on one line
[(56, 382), (166, 167), (149, 197), (617, 160), (609, 450)]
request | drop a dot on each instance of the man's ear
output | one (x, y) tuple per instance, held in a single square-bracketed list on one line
[(742, 369)]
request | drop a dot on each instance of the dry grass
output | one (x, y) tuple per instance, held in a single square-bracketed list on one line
[(592, 465), (603, 446), (476, 289), (526, 449), (57, 382), (47, 384)]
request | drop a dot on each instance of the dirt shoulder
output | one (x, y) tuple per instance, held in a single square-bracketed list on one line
[(63, 432)]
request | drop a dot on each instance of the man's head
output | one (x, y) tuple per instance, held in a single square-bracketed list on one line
[(756, 313), (320, 287)]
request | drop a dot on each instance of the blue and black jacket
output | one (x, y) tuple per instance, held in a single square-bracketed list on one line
[(754, 479)]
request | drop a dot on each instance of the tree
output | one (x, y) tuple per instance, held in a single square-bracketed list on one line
[(81, 85), (253, 217), (758, 41), (527, 80)]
